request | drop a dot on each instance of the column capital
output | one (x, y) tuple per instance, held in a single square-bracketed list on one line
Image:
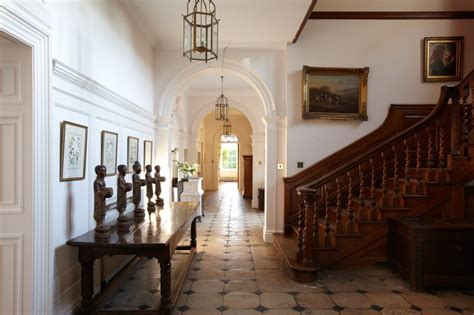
[(271, 122), (164, 122), (257, 138)]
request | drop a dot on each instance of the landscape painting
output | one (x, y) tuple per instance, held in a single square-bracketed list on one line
[(335, 93)]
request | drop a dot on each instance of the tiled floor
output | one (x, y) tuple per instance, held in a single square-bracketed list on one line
[(236, 273)]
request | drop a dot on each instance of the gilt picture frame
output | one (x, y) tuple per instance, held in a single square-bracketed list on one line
[(335, 93), (109, 146), (132, 152), (147, 153), (443, 58), (73, 152)]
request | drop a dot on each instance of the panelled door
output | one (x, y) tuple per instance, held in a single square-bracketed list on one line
[(16, 278)]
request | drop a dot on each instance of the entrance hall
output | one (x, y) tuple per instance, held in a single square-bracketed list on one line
[(235, 272)]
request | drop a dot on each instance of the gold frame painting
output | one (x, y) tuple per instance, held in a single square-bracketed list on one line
[(442, 59), (73, 152), (335, 93)]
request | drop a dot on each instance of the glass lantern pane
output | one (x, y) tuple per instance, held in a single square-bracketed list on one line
[(214, 40)]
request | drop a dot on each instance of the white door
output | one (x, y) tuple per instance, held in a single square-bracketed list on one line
[(16, 277)]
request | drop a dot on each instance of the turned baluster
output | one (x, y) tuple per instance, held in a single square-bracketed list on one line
[(383, 198), (316, 223), (350, 225), (430, 157), (327, 227), (362, 209), (456, 125), (441, 153), (309, 197), (338, 226), (396, 200), (466, 121), (418, 159), (299, 241), (407, 161), (374, 213)]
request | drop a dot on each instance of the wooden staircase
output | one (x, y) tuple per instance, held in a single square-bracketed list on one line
[(415, 165)]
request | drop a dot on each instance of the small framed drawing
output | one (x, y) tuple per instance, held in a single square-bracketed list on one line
[(73, 149), (442, 59), (335, 93), (108, 156), (147, 152), (132, 152)]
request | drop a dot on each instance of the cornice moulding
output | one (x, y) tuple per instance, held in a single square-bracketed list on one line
[(67, 73)]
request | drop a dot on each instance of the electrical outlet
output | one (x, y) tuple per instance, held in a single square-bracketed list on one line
[(280, 166), (299, 164)]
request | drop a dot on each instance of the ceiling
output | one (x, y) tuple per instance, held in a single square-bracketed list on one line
[(210, 84), (243, 23), (392, 5)]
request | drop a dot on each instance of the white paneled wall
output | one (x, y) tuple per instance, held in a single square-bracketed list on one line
[(81, 100)]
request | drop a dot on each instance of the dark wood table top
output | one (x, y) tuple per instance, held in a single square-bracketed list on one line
[(156, 231)]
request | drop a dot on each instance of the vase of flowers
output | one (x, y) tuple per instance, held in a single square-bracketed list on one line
[(186, 168)]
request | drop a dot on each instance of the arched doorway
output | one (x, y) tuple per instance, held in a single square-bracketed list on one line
[(263, 112)]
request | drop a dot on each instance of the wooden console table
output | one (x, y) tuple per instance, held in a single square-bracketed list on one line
[(155, 237), (433, 252)]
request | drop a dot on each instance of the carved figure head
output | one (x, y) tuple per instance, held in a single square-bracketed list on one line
[(101, 171), (148, 168), (137, 167), (157, 169), (122, 169)]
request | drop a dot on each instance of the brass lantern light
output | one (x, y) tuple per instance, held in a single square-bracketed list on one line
[(227, 127), (200, 31), (222, 104)]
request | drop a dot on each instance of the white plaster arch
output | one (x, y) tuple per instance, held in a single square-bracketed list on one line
[(209, 107), (195, 70)]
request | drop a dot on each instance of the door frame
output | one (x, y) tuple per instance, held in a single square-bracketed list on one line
[(29, 23)]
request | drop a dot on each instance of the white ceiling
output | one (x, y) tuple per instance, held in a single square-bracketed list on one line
[(210, 84), (243, 23)]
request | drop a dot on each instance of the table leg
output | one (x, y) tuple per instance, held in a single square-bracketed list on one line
[(165, 287), (87, 282), (193, 233)]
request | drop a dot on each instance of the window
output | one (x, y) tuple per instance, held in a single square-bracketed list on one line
[(229, 149), (229, 156)]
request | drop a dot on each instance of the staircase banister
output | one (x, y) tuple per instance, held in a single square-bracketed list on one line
[(466, 83), (446, 93)]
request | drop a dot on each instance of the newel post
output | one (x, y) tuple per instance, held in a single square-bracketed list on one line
[(308, 211)]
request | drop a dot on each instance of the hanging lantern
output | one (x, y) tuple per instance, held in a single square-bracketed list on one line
[(222, 104), (200, 31), (227, 127)]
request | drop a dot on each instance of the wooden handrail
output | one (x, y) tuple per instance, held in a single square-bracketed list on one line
[(447, 92)]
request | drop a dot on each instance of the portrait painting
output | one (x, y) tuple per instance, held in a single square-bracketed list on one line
[(147, 152), (335, 93), (109, 151), (443, 59), (132, 152), (73, 147)]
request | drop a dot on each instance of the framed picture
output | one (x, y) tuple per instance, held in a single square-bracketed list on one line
[(73, 152), (132, 152), (335, 93), (147, 152), (443, 59), (108, 156)]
